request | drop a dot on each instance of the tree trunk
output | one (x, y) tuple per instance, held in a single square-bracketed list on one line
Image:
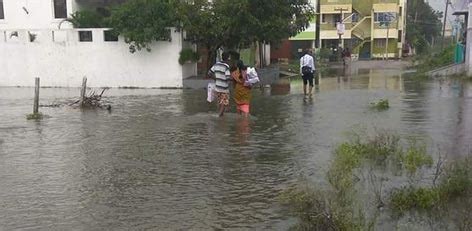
[(211, 56)]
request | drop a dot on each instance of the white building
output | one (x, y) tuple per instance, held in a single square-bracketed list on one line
[(36, 41)]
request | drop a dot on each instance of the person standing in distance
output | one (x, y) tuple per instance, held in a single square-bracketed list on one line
[(221, 73), (307, 69)]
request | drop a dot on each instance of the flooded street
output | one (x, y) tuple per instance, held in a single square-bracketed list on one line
[(163, 160)]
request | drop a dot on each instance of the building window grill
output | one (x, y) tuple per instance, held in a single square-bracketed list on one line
[(85, 36), (109, 36), (60, 8), (2, 14)]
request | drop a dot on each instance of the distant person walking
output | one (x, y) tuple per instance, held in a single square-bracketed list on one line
[(307, 70), (222, 75), (346, 56)]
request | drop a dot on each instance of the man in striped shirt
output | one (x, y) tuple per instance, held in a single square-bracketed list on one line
[(221, 73)]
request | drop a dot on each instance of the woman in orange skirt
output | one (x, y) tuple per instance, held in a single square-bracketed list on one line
[(242, 94)]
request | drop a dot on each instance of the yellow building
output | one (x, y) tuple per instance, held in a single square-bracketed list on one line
[(373, 29)]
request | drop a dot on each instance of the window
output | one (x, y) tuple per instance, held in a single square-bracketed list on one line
[(336, 18), (399, 36), (380, 43), (400, 11), (355, 17), (110, 36), (385, 18), (85, 36), (60, 8), (2, 14)]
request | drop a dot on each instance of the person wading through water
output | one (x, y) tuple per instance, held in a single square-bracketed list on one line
[(307, 69), (221, 73)]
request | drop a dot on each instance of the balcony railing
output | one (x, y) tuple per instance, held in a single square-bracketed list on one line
[(384, 25), (335, 2), (332, 26), (384, 1)]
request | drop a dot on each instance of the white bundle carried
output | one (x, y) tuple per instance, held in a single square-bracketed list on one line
[(211, 94), (252, 77)]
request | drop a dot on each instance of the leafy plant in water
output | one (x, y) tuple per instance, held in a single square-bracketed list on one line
[(34, 116), (408, 198), (455, 183), (380, 105), (416, 157), (323, 211)]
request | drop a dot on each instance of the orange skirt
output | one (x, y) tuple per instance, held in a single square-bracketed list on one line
[(243, 107)]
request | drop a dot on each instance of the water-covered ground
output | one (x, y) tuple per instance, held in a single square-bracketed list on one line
[(162, 159)]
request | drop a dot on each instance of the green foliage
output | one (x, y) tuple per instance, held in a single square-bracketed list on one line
[(323, 211), (380, 105), (188, 55), (455, 183), (432, 61), (34, 116), (409, 198), (416, 157), (324, 54), (423, 24), (239, 24), (142, 22), (457, 180), (87, 19)]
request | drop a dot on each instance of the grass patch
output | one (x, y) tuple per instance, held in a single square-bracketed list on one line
[(322, 211), (455, 184), (380, 105), (433, 60), (339, 208), (416, 157), (34, 116)]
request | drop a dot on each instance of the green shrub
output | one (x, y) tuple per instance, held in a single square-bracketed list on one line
[(34, 116), (457, 179), (87, 19), (416, 157), (432, 61), (408, 198), (380, 105), (188, 55)]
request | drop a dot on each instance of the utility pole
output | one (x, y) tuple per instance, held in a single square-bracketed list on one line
[(341, 24), (386, 42), (444, 24)]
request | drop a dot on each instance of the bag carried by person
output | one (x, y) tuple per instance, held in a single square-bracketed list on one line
[(211, 94), (306, 70), (252, 77)]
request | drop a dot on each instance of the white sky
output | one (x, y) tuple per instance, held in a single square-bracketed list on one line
[(441, 6)]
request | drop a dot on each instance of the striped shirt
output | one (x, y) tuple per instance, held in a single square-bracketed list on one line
[(222, 76)]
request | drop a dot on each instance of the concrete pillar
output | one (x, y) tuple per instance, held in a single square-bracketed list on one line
[(468, 63)]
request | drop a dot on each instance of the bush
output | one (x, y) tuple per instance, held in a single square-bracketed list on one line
[(87, 19), (188, 55), (380, 105), (432, 61), (408, 198)]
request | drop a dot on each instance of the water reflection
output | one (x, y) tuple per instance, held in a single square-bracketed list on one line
[(163, 160)]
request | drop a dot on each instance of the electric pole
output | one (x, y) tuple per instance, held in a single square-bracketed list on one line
[(444, 25)]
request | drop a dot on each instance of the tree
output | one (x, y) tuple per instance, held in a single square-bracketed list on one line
[(142, 22), (238, 24), (212, 24), (423, 24)]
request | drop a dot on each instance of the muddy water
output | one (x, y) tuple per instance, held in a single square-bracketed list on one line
[(162, 159)]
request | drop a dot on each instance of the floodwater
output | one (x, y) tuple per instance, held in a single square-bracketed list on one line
[(163, 160)]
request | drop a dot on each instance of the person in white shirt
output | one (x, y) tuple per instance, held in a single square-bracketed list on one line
[(307, 70)]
